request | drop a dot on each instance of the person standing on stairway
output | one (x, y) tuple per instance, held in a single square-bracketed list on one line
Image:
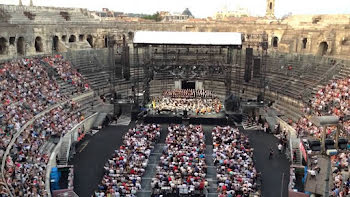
[(280, 148), (271, 153)]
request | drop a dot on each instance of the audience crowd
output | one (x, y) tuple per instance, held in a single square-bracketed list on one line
[(182, 168), (340, 170), (332, 99), (196, 105), (26, 89), (26, 164), (123, 171), (67, 73), (188, 93), (233, 157)]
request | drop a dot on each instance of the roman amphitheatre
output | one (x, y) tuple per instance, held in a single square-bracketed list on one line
[(105, 104)]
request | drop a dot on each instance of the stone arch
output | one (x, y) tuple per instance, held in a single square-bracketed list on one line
[(106, 41), (130, 35), (323, 48), (72, 38), (90, 40), (304, 43), (81, 37), (275, 41), (124, 39), (38, 44), (270, 5), (64, 38), (20, 46), (3, 46), (55, 40)]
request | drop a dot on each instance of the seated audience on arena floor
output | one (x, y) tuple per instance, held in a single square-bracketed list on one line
[(123, 171), (182, 168), (233, 157)]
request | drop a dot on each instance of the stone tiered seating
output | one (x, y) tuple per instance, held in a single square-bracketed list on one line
[(65, 88), (44, 15), (98, 80), (157, 87), (92, 70), (18, 17)]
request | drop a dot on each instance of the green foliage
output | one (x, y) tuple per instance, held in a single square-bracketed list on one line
[(155, 17)]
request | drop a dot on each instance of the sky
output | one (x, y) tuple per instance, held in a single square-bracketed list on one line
[(201, 8)]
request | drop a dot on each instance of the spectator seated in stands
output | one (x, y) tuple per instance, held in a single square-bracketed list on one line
[(182, 168), (27, 90), (233, 157), (332, 99), (26, 165), (66, 72), (340, 167), (123, 171)]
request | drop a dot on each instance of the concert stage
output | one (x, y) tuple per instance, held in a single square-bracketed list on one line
[(171, 117)]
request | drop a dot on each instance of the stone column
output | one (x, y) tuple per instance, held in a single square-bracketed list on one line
[(337, 136), (323, 142)]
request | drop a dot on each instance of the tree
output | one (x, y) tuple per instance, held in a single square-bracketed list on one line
[(156, 17)]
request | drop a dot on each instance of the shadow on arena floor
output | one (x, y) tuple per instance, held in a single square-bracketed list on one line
[(88, 164), (271, 170)]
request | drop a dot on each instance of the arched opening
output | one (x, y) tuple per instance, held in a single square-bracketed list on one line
[(106, 41), (64, 38), (12, 40), (81, 37), (304, 43), (72, 38), (20, 46), (124, 40), (322, 49), (270, 5), (38, 44), (3, 46), (275, 42), (130, 35), (55, 43), (90, 41)]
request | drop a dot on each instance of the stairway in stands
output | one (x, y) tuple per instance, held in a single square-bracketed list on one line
[(64, 152), (150, 172), (211, 172), (295, 147), (124, 120), (47, 148), (65, 87), (247, 125)]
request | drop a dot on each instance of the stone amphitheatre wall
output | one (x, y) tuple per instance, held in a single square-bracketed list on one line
[(39, 30)]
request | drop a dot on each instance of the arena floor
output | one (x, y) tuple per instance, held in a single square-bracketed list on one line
[(94, 152)]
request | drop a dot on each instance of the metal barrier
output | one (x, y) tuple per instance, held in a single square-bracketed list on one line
[(71, 136)]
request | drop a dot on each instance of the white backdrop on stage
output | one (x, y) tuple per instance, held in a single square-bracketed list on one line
[(199, 85), (178, 84)]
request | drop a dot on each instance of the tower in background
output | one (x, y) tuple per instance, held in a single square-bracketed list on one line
[(270, 8)]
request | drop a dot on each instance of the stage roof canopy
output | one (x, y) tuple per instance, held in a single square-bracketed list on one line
[(188, 38)]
